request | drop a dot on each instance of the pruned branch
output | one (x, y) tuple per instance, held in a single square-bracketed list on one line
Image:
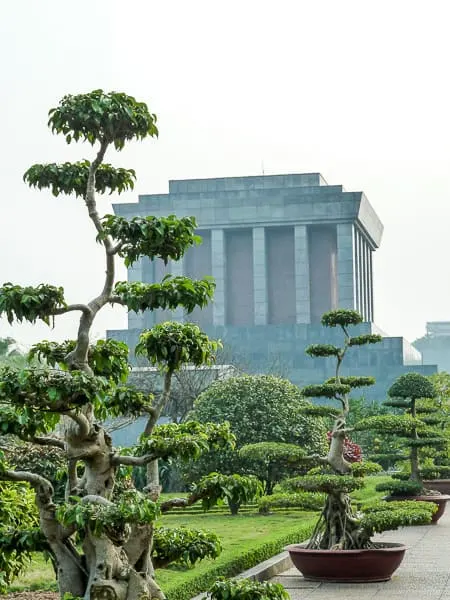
[(115, 249), (43, 487), (82, 422), (134, 461), (181, 502), (72, 307), (49, 441)]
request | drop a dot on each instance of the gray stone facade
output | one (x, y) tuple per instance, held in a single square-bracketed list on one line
[(283, 250)]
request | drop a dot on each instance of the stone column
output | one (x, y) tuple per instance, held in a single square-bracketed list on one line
[(134, 273), (176, 269), (218, 266), (345, 266), (302, 289), (370, 282), (259, 276)]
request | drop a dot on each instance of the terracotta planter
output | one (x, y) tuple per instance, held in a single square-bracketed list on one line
[(348, 566), (440, 485), (439, 499)]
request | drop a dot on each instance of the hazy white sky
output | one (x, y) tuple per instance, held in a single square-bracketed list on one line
[(355, 89)]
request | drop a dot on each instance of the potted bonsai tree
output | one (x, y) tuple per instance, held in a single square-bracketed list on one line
[(417, 430), (340, 547)]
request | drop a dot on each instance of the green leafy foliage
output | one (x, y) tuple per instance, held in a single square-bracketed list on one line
[(272, 461), (386, 516), (323, 350), (71, 178), (302, 500), (235, 489), (123, 401), (401, 488), (412, 386), (171, 293), (327, 484), (183, 546), (48, 389), (365, 467), (353, 381), (397, 424), (326, 390), (341, 318), (435, 472), (185, 440), (25, 422), (154, 237), (316, 410), (18, 516), (171, 345), (30, 303), (245, 589), (362, 340), (107, 358), (113, 519), (110, 117)]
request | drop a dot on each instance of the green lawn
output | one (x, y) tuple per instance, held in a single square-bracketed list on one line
[(241, 536)]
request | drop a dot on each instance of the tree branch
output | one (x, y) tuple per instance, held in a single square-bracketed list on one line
[(82, 422), (43, 487), (116, 300), (72, 307), (181, 502), (115, 249), (49, 441), (133, 461)]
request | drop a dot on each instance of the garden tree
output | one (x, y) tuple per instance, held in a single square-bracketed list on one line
[(259, 408), (339, 526), (272, 461), (102, 543), (416, 429), (235, 489)]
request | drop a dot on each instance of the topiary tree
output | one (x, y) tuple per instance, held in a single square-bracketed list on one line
[(100, 540), (416, 430), (259, 408), (339, 526), (272, 462)]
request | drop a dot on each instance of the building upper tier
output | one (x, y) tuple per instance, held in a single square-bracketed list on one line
[(263, 200)]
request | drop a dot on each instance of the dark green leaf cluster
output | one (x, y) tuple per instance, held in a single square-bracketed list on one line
[(171, 345), (53, 390), (269, 452), (71, 178), (341, 318), (396, 424), (123, 401), (183, 546), (30, 303), (107, 358), (387, 516), (326, 390), (362, 340), (171, 293), (435, 472), (426, 442), (302, 500), (112, 519), (154, 237), (412, 386), (246, 589), (185, 440), (110, 117), (327, 484), (316, 410), (401, 488), (353, 381), (365, 467), (25, 422), (323, 350), (235, 489)]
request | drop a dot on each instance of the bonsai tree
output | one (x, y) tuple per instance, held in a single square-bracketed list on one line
[(272, 462), (416, 429), (100, 541), (339, 526)]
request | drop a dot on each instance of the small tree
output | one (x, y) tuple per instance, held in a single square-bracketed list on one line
[(259, 408), (417, 429), (339, 526), (101, 541)]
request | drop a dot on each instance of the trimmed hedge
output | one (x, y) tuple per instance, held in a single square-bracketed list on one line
[(246, 561)]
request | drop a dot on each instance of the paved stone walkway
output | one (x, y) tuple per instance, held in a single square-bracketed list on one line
[(423, 575)]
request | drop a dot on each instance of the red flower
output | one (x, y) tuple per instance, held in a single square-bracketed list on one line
[(352, 451)]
